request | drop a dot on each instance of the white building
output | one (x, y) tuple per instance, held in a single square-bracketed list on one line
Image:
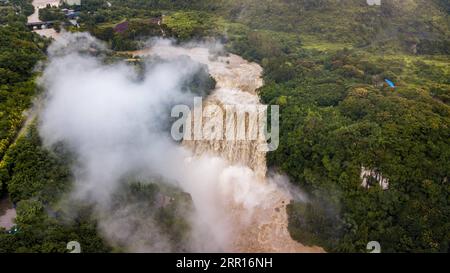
[(368, 174), (73, 2)]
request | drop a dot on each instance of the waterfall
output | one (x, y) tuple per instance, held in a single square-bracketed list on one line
[(263, 226)]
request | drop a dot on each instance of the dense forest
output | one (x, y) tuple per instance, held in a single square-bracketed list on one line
[(326, 64), (32, 176), (20, 50)]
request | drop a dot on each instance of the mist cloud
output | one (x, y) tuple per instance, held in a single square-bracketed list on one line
[(114, 121)]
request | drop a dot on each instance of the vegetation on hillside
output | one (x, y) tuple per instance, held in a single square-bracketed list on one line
[(39, 179), (20, 50), (325, 63), (36, 179)]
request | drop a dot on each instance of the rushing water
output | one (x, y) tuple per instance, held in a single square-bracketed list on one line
[(266, 229)]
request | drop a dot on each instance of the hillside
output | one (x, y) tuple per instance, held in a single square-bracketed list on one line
[(404, 24), (364, 95)]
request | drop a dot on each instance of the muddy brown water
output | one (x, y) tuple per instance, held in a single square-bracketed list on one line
[(265, 228)]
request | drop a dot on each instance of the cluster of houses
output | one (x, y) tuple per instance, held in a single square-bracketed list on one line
[(71, 14)]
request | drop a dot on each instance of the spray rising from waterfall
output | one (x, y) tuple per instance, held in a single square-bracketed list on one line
[(263, 227), (115, 124)]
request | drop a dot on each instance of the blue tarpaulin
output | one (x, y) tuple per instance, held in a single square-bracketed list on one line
[(391, 84)]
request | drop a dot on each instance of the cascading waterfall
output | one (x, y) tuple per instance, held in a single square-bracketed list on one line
[(264, 226)]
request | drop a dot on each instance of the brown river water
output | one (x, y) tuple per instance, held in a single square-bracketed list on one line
[(265, 227)]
